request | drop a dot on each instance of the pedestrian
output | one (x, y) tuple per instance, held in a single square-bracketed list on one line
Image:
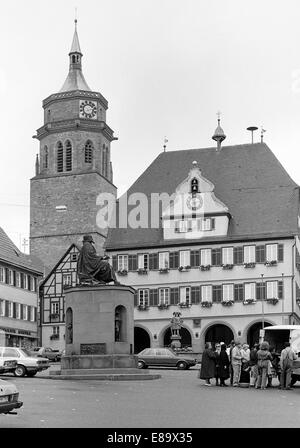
[(236, 362), (217, 353), (253, 365), (229, 353), (286, 363), (245, 367), (272, 367), (207, 371), (224, 365), (263, 356)]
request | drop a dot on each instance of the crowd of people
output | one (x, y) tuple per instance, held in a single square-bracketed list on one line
[(244, 367)]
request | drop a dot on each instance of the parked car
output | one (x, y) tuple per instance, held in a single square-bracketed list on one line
[(26, 364), (9, 397), (7, 366), (164, 357), (46, 352)]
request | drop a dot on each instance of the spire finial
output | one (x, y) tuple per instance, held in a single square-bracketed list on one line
[(165, 143), (219, 135), (262, 134), (219, 116)]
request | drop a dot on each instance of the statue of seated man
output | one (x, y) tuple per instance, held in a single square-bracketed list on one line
[(92, 268)]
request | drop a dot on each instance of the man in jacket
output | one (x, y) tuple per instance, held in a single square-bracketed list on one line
[(236, 362), (286, 363)]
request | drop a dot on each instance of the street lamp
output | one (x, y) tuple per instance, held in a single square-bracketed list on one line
[(262, 301)]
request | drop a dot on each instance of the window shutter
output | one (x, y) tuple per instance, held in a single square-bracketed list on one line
[(280, 289), (216, 257), (28, 312), (280, 252), (174, 296), (174, 260), (132, 262), (29, 282), (153, 297), (115, 262), (22, 280), (195, 294), (195, 258), (6, 276), (14, 310), (153, 261), (213, 223), (135, 298), (14, 278)]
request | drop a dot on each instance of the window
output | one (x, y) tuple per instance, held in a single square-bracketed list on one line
[(67, 279), (25, 283), (122, 262), (2, 307), (164, 296), (205, 224), (228, 292), (183, 226), (163, 260), (238, 255), (250, 291), (143, 261), (184, 258), (55, 308), (2, 275), (216, 257), (88, 152), (68, 156), (73, 257), (46, 156), (55, 330), (18, 279), (33, 314), (18, 311), (60, 157), (206, 293), (227, 255), (205, 257), (143, 297), (10, 353), (272, 290), (32, 284), (25, 312), (271, 252), (10, 277), (249, 254), (10, 309), (239, 292), (260, 254), (217, 293), (194, 185), (185, 294)]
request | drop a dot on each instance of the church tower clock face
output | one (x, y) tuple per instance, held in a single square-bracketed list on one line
[(88, 109)]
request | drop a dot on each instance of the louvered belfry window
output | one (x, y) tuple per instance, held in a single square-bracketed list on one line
[(60, 157), (88, 152), (68, 156)]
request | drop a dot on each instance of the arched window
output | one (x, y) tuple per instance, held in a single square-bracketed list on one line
[(68, 156), (46, 156), (73, 59), (60, 157), (194, 185), (88, 152)]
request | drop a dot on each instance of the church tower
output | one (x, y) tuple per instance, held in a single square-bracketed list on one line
[(73, 166)]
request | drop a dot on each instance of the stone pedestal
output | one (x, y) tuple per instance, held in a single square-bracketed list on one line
[(99, 334)]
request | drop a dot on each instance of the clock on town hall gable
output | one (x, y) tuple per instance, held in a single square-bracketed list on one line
[(73, 166)]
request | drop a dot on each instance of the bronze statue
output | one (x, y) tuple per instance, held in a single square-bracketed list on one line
[(92, 268)]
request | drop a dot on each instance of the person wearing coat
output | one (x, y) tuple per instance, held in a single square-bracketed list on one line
[(224, 365), (207, 370)]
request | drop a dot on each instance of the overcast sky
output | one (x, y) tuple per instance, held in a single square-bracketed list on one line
[(165, 66)]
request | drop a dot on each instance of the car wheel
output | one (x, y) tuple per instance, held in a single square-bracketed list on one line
[(20, 370), (31, 373), (141, 365), (181, 365)]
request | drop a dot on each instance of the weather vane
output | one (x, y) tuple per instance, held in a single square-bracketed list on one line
[(165, 143), (262, 134)]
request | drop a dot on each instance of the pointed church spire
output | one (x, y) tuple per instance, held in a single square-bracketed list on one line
[(75, 79), (219, 135)]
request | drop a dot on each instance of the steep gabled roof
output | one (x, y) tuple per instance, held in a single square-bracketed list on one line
[(12, 255), (52, 270), (262, 198)]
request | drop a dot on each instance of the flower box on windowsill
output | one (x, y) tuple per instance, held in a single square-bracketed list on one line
[(227, 302), (205, 267), (206, 304), (122, 272), (142, 271), (54, 336), (272, 300), (164, 270), (227, 266), (184, 268), (271, 263), (54, 316), (163, 306), (142, 307), (184, 304), (249, 265), (249, 301)]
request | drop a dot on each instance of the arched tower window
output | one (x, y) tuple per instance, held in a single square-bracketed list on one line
[(195, 185), (46, 157), (68, 156), (73, 59), (60, 157), (88, 152)]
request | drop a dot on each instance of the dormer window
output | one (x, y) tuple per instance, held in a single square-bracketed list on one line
[(183, 226), (205, 224)]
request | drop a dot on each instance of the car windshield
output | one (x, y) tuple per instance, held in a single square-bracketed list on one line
[(25, 352)]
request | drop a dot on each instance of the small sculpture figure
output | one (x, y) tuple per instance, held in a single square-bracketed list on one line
[(176, 323), (92, 268), (117, 326)]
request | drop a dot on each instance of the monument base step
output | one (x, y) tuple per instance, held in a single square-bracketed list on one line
[(104, 376), (101, 371)]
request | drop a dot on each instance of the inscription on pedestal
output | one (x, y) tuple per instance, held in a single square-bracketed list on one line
[(93, 349)]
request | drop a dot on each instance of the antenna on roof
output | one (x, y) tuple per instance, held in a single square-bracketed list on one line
[(262, 134), (252, 129), (165, 143)]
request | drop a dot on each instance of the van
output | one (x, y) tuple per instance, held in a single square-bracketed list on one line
[(277, 335)]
